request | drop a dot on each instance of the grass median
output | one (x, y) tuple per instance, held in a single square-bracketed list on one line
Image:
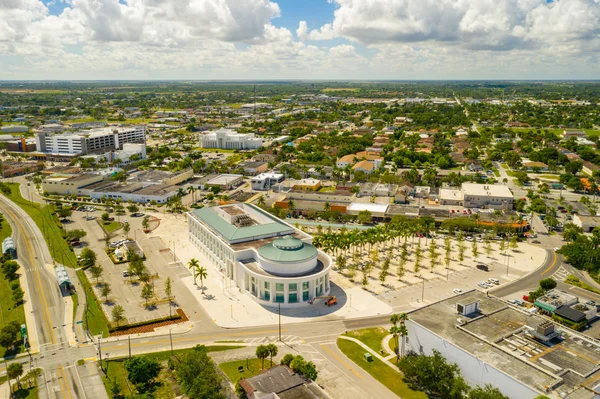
[(48, 223), (93, 319), (383, 373)]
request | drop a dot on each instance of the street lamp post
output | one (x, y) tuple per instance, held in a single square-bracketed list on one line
[(279, 313)]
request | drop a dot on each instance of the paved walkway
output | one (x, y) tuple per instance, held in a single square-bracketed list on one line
[(4, 391), (371, 351)]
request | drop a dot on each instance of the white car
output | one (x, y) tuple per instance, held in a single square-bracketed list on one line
[(494, 281), (457, 291), (556, 249), (483, 284)]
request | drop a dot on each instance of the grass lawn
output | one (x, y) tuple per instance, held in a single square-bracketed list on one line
[(510, 173), (111, 226), (9, 312), (380, 371), (251, 367), (591, 132), (371, 337), (496, 172), (96, 322), (574, 280), (527, 129), (116, 371), (29, 389), (505, 166), (48, 223), (5, 230)]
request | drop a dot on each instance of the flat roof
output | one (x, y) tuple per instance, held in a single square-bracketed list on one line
[(486, 190), (373, 208), (501, 336), (224, 179), (449, 194), (269, 224)]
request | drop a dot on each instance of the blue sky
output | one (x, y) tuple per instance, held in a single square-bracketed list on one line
[(339, 39)]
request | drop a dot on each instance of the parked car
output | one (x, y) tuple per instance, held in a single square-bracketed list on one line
[(137, 214), (517, 302), (457, 291), (494, 280), (483, 284), (125, 273), (485, 268), (591, 303)]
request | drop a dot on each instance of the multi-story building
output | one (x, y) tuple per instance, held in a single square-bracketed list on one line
[(90, 141), (265, 181), (264, 256), (495, 196), (228, 139)]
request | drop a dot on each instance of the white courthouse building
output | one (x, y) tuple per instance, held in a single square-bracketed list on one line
[(265, 257), (228, 139)]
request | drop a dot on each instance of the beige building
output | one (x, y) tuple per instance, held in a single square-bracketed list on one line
[(495, 196), (67, 184)]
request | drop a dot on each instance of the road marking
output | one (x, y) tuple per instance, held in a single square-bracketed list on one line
[(37, 280), (551, 266), (341, 360)]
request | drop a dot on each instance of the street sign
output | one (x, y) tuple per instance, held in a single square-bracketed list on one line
[(79, 322)]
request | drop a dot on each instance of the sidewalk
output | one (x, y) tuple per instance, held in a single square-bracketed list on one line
[(28, 310), (230, 308)]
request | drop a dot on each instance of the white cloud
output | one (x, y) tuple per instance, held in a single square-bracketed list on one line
[(204, 39), (475, 24)]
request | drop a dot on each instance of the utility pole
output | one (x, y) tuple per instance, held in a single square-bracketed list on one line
[(423, 289), (171, 339), (279, 321), (129, 336), (100, 350)]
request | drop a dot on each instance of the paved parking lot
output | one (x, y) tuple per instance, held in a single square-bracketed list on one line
[(159, 261)]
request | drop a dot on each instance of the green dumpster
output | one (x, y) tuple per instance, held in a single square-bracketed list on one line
[(368, 357)]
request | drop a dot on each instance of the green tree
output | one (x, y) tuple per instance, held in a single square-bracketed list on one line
[(126, 228), (272, 348), (14, 372), (88, 257), (10, 268), (133, 208), (287, 359), (76, 234), (486, 392), (447, 251), (514, 244), (96, 272), (147, 293), (105, 291), (142, 371), (198, 376), (433, 254), (18, 295), (418, 256), (461, 247), (474, 249), (145, 223), (169, 293), (487, 246), (365, 217), (298, 364), (262, 352), (118, 314), (548, 284)]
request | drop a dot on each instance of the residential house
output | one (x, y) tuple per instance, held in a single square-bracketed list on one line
[(364, 166)]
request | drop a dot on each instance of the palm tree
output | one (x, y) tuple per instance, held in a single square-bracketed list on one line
[(327, 207), (395, 331), (403, 331), (272, 348), (261, 201), (202, 273), (180, 192), (191, 190), (193, 265)]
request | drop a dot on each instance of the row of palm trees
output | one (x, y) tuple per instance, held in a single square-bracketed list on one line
[(198, 272), (388, 234)]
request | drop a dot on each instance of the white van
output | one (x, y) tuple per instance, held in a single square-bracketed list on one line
[(494, 280)]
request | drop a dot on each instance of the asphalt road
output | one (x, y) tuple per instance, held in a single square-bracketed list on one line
[(49, 329), (63, 379)]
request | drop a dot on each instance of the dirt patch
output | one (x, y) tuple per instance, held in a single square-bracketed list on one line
[(152, 326)]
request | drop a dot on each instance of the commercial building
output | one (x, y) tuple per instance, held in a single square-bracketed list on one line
[(129, 153), (574, 133), (14, 129), (495, 196), (254, 167), (307, 185), (67, 184), (450, 196), (378, 190), (265, 181), (89, 141), (136, 192), (587, 223), (21, 145), (224, 182), (262, 255), (521, 353), (228, 139), (161, 177), (15, 168)]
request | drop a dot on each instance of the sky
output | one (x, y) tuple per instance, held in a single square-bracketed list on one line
[(299, 39)]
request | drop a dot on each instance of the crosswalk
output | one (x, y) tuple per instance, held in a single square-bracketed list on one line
[(288, 339), (561, 274)]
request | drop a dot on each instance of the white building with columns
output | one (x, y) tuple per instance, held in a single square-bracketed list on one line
[(228, 139), (265, 257)]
